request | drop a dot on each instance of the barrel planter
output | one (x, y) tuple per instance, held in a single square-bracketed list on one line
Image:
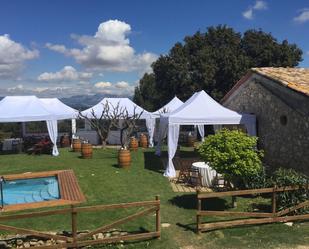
[(143, 141), (77, 145), (124, 158), (190, 140), (133, 144), (86, 150), (65, 141)]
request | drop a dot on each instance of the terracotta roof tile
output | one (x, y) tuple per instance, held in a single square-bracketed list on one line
[(294, 78)]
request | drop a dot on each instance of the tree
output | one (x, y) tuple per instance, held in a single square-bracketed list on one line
[(104, 122), (233, 154), (263, 50), (212, 61), (113, 117), (146, 94)]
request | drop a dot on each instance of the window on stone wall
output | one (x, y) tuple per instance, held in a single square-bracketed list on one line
[(283, 120)]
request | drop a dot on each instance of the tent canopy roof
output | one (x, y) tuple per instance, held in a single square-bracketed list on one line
[(61, 110), (23, 109), (124, 103), (169, 107), (31, 108), (202, 109)]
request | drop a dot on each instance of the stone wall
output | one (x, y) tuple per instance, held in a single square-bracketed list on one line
[(283, 132)]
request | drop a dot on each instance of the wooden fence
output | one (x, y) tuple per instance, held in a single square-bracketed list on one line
[(84, 239), (259, 217)]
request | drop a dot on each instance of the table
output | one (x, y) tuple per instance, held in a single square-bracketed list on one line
[(12, 144), (207, 173)]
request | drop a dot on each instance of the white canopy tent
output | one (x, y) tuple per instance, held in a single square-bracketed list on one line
[(169, 107), (124, 103), (31, 108), (198, 110), (62, 111)]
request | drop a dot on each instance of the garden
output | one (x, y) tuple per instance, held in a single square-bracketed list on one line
[(103, 182)]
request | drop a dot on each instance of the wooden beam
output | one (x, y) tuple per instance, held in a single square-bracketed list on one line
[(291, 209), (226, 224), (248, 192), (234, 213), (116, 223), (33, 232), (121, 205)]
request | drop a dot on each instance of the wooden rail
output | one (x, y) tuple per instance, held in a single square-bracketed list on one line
[(81, 240), (260, 218)]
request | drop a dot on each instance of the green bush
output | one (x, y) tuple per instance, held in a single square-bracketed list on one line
[(233, 154), (289, 177)]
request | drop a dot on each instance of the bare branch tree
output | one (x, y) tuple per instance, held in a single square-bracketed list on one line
[(113, 116), (127, 126)]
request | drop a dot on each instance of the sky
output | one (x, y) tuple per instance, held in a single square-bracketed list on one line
[(65, 48)]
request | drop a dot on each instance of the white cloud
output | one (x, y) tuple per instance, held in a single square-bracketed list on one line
[(67, 74), (108, 50), (122, 84), (12, 57), (303, 16), (17, 88), (259, 5), (118, 88), (248, 14), (103, 84)]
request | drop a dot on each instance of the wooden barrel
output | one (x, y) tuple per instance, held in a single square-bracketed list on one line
[(65, 141), (133, 144), (191, 140), (86, 150), (143, 141), (77, 145), (124, 158)]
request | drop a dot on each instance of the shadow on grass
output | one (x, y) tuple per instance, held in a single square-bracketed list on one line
[(156, 163), (189, 201), (261, 207), (188, 154), (153, 162), (116, 165)]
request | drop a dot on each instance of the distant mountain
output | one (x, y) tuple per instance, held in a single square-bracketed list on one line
[(82, 102)]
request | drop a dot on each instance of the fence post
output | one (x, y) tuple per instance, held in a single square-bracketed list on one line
[(158, 217), (273, 200), (74, 225), (199, 208)]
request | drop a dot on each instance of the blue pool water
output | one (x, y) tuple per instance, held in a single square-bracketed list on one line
[(30, 190)]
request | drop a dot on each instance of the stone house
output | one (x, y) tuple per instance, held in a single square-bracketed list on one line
[(279, 97)]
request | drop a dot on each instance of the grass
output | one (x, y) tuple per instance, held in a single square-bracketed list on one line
[(104, 183)]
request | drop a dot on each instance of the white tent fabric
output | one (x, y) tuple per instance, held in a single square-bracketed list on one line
[(52, 128), (61, 110), (169, 107), (124, 103), (31, 108), (199, 110), (23, 109)]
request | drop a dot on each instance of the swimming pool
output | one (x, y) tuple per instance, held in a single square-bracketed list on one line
[(30, 190)]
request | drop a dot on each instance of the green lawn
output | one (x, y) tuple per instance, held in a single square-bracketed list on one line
[(104, 183)]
